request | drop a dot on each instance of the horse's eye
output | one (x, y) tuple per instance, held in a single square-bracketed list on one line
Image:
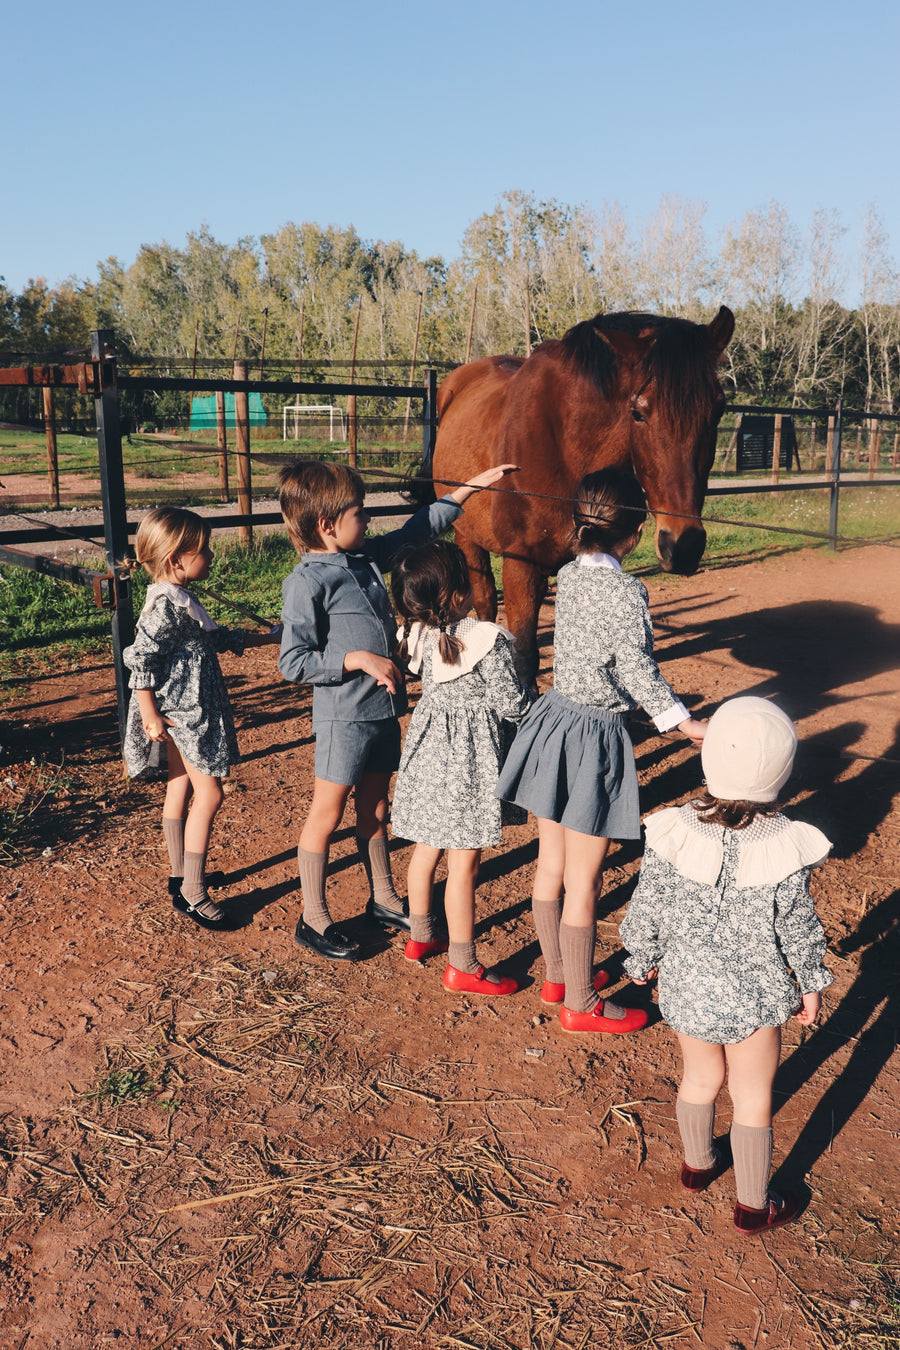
[(638, 416)]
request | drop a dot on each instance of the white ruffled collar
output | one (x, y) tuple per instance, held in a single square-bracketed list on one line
[(179, 596), (599, 560), (770, 849), (476, 635)]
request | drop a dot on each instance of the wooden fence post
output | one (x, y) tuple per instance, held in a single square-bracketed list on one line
[(52, 455), (776, 449), (222, 443), (412, 365), (874, 449), (732, 444), (834, 436), (242, 452), (115, 521), (351, 400)]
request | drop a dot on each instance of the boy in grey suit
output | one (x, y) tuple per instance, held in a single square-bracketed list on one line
[(340, 636)]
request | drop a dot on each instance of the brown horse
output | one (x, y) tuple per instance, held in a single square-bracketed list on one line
[(624, 389)]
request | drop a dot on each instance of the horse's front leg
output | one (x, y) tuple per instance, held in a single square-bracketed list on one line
[(484, 589), (524, 588)]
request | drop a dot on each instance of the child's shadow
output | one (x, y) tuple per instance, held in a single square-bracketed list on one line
[(876, 990)]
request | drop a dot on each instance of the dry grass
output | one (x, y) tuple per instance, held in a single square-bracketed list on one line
[(322, 1220)]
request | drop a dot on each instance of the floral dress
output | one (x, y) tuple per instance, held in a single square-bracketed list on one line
[(177, 657), (458, 736), (727, 917)]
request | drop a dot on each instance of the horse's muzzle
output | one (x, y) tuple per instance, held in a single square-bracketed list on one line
[(683, 554)]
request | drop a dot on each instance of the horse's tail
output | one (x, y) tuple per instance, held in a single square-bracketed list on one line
[(419, 490)]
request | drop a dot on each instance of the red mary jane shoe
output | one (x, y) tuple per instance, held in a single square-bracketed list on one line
[(556, 993), (417, 951), (482, 982), (634, 1019)]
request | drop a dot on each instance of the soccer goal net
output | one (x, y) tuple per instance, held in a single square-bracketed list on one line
[(294, 414)]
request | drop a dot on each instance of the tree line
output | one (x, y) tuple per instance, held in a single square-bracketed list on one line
[(526, 271)]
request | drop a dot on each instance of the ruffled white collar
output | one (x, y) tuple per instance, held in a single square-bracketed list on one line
[(179, 596), (477, 637), (599, 560), (770, 849)]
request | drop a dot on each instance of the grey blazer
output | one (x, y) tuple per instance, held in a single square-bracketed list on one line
[(334, 603)]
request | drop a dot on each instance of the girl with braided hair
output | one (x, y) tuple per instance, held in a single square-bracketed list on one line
[(463, 723)]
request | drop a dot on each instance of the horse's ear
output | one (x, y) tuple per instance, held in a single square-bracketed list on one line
[(721, 330), (624, 346)]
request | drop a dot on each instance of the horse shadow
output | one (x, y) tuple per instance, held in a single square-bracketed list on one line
[(814, 650), (869, 1014)]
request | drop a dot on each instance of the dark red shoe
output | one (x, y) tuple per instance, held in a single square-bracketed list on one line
[(697, 1179), (634, 1019), (482, 982), (780, 1210), (417, 951), (552, 994)]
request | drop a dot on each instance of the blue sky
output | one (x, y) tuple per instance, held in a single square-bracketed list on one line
[(409, 120)]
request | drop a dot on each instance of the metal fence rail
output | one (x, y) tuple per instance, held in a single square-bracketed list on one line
[(101, 379)]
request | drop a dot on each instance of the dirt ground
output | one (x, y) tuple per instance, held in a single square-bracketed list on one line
[(224, 1141)]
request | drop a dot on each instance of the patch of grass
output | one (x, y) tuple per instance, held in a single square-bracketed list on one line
[(122, 1086), (26, 790)]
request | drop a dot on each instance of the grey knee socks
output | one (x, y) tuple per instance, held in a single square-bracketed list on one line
[(173, 833), (312, 868), (461, 956), (695, 1123), (422, 928), (547, 918), (577, 949), (377, 862), (193, 887), (751, 1148)]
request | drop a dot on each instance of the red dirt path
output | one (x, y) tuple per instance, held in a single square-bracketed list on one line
[(396, 1078)]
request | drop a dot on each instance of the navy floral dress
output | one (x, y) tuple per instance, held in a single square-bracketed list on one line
[(732, 957), (178, 659), (458, 737)]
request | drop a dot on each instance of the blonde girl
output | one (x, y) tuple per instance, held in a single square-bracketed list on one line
[(179, 698), (464, 721)]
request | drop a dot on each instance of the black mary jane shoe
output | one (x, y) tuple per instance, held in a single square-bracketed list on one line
[(212, 882), (217, 924), (391, 918), (333, 943)]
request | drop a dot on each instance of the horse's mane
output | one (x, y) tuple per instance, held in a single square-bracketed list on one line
[(680, 360)]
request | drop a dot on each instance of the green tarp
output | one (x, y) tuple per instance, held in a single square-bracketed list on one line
[(203, 412)]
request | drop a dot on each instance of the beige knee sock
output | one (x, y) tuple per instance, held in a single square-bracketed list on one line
[(376, 859), (696, 1123), (751, 1148), (173, 833), (193, 887), (461, 956), (577, 948), (422, 928), (547, 918), (312, 867)]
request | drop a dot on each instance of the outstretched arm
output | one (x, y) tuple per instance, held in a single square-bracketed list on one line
[(482, 480)]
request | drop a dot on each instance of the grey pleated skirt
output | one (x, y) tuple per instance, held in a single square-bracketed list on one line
[(574, 764)]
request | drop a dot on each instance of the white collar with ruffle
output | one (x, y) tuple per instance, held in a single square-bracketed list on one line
[(476, 635), (179, 596), (770, 849)]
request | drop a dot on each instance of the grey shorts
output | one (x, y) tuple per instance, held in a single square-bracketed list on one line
[(347, 750)]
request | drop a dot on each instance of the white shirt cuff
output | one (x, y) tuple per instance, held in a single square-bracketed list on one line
[(671, 717)]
